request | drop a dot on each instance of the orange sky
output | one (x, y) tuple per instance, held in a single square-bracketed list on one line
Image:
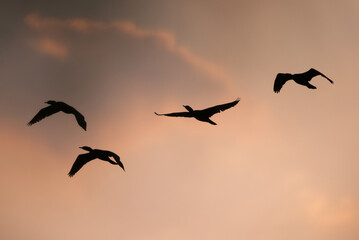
[(277, 166)]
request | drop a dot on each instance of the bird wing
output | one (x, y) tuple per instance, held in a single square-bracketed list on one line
[(117, 159), (80, 119), (280, 80), (313, 72), (219, 108), (43, 113), (176, 114), (81, 160)]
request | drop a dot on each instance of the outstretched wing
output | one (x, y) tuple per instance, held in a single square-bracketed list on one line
[(280, 80), (313, 72), (176, 114), (43, 113), (80, 119), (117, 159), (219, 108), (81, 160)]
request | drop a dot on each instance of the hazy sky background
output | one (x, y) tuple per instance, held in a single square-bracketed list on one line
[(277, 166)]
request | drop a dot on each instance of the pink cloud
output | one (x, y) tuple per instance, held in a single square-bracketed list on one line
[(51, 47), (328, 212), (162, 37), (34, 21)]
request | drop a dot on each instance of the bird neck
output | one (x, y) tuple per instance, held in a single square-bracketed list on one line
[(189, 109), (51, 102), (87, 148)]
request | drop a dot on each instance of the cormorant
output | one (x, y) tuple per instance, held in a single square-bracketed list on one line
[(300, 78), (82, 159), (202, 115), (57, 107)]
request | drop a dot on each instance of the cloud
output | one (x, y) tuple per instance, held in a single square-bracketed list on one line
[(162, 37), (51, 47), (328, 212), (35, 22)]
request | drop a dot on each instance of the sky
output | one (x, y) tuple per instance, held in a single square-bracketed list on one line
[(277, 166)]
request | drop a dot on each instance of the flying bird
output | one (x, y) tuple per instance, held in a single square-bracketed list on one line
[(57, 107), (202, 115), (300, 78), (92, 154)]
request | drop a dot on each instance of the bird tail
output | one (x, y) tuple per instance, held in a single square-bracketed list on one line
[(311, 86), (211, 122), (327, 78)]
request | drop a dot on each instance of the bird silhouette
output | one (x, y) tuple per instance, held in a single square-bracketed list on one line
[(92, 154), (202, 115), (57, 107), (300, 78)]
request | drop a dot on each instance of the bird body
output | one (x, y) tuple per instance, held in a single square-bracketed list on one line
[(92, 154), (57, 107), (299, 78), (202, 115)]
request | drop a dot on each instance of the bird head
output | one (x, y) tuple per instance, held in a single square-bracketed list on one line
[(81, 121), (51, 102), (189, 109), (86, 148)]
